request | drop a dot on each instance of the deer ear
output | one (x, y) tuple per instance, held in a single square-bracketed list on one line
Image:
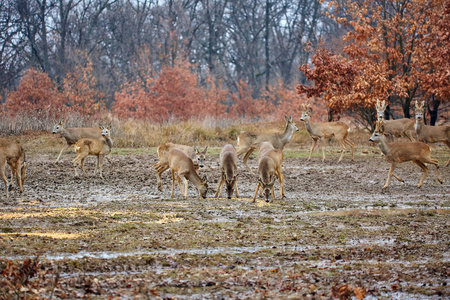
[(206, 149)]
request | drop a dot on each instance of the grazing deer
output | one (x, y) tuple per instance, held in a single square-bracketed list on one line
[(181, 164), (317, 131), (12, 153), (430, 134), (72, 135), (228, 167), (398, 152), (198, 157), (248, 141), (269, 165), (403, 127), (98, 147)]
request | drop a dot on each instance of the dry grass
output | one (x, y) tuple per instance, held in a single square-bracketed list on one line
[(138, 134)]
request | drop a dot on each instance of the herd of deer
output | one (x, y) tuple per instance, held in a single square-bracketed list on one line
[(185, 161)]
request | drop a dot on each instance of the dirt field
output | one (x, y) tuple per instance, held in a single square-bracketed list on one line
[(336, 233)]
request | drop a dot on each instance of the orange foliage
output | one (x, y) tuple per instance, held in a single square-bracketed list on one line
[(434, 55), (175, 93), (386, 49), (246, 107), (80, 91), (35, 94)]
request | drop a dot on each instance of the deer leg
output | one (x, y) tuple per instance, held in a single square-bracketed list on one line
[(218, 189), (62, 150), (344, 148), (100, 165), (159, 170), (179, 183), (324, 143), (398, 178), (256, 192), (391, 170), (75, 161), (352, 146), (312, 148), (425, 171), (236, 189), (244, 160), (108, 158), (185, 182), (18, 170), (173, 182), (436, 164), (82, 167), (281, 180), (3, 176)]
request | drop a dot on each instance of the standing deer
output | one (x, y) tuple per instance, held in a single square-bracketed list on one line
[(198, 157), (72, 135), (270, 162), (98, 147), (12, 153), (248, 141), (403, 127), (228, 168), (181, 164), (317, 131), (398, 152), (430, 134)]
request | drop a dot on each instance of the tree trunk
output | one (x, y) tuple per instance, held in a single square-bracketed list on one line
[(433, 108)]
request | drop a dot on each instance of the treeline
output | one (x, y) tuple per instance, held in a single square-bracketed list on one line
[(259, 42), (163, 59)]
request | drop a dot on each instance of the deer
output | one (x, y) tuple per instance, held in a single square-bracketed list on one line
[(430, 134), (249, 141), (98, 147), (403, 127), (228, 167), (72, 135), (12, 153), (183, 166), (198, 157), (317, 131), (398, 152), (270, 162)]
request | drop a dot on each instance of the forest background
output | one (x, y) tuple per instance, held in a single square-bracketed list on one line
[(166, 61)]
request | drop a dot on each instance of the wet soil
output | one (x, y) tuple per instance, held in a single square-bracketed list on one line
[(336, 234)]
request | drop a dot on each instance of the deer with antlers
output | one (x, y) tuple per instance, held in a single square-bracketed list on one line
[(198, 158), (98, 147), (430, 134), (228, 166), (270, 162), (12, 153), (72, 135), (183, 166), (248, 141), (318, 131), (398, 152), (403, 127)]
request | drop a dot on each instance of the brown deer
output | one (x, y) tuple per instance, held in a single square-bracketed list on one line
[(98, 147), (430, 134), (403, 127), (398, 152), (198, 157), (270, 162), (183, 166), (228, 167), (72, 135), (12, 153), (318, 131), (248, 141)]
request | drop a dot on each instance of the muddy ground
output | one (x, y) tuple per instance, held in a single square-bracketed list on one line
[(336, 233)]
